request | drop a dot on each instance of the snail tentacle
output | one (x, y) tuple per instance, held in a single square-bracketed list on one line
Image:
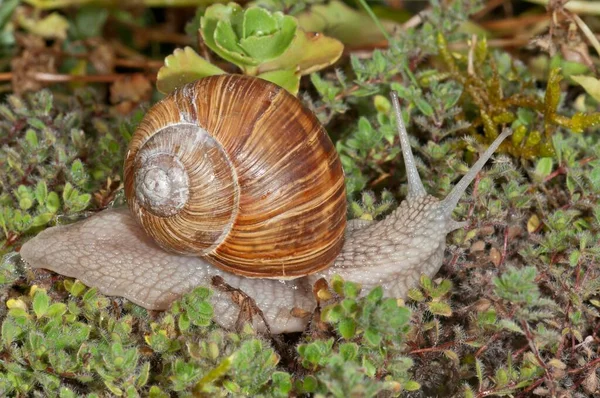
[(415, 185), (450, 202)]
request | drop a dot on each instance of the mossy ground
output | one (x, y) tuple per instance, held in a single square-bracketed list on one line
[(513, 311)]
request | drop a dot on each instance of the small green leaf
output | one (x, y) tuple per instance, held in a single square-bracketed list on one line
[(66, 393), (258, 22), (53, 26), (479, 370), (42, 219), (288, 79), (416, 294), (310, 384), (52, 202), (347, 328), (25, 203), (143, 376), (411, 385), (348, 351), (375, 295), (56, 310), (41, 192), (440, 308), (228, 46), (78, 174), (89, 21), (271, 36), (510, 325), (282, 382), (40, 303), (351, 289), (10, 331), (31, 138), (156, 392), (424, 106), (25, 197), (590, 84), (373, 337), (182, 67), (345, 23), (543, 168), (308, 53)]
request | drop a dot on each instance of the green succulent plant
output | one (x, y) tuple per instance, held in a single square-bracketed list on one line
[(266, 44), (247, 38)]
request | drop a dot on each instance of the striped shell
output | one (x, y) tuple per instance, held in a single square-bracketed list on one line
[(236, 170)]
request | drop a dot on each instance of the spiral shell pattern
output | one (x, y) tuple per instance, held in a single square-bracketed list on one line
[(236, 170)]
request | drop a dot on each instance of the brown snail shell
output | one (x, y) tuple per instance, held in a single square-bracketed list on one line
[(236, 170)]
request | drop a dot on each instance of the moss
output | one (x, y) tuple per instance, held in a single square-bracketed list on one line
[(56, 152)]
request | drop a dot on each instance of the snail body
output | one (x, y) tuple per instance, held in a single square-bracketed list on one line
[(112, 251)]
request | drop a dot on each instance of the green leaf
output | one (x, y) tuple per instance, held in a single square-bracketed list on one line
[(227, 42), (282, 383), (351, 289), (543, 168), (288, 79), (258, 22), (42, 219), (442, 289), (31, 138), (209, 22), (78, 174), (40, 303), (76, 288), (6, 11), (248, 37), (10, 332), (41, 192), (424, 106), (590, 84), (416, 294), (53, 202), (308, 53), (73, 200), (56, 310), (198, 307), (347, 328), (89, 21), (143, 376), (270, 42), (510, 325), (53, 26), (411, 385), (440, 308), (66, 393), (479, 370), (182, 67), (348, 351), (373, 337), (375, 295), (25, 197), (343, 22)]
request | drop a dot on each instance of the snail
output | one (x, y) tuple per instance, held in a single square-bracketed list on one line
[(273, 205)]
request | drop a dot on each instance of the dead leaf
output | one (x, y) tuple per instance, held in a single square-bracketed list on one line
[(129, 90), (34, 56)]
